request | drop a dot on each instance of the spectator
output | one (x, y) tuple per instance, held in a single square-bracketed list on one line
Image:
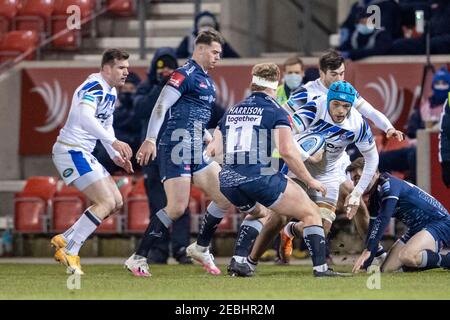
[(203, 21), (163, 64), (389, 19), (366, 40), (404, 159), (439, 11), (444, 143), (126, 127), (431, 108), (294, 73)]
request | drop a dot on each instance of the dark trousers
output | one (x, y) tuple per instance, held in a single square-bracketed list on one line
[(180, 230), (399, 160)]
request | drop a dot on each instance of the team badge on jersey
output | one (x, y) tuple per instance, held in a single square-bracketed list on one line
[(176, 79)]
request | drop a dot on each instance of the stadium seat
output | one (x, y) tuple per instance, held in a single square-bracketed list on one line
[(8, 10), (229, 222), (32, 206), (138, 212), (35, 15), (138, 216), (69, 39), (68, 205), (15, 43), (124, 8)]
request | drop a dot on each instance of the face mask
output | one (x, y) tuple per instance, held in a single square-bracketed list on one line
[(126, 99), (293, 80), (363, 29)]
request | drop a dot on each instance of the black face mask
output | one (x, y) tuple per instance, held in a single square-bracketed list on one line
[(162, 79), (126, 99)]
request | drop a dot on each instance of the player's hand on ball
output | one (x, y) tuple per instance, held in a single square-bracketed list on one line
[(146, 152)]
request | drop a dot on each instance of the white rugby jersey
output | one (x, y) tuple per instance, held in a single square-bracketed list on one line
[(315, 89), (313, 117), (84, 127)]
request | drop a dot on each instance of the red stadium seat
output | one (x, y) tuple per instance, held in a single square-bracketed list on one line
[(69, 39), (124, 8), (139, 187), (32, 205), (15, 43), (35, 15), (68, 205), (138, 213), (8, 10), (112, 224)]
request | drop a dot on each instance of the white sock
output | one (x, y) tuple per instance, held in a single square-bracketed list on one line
[(287, 229), (82, 229), (240, 259), (201, 248)]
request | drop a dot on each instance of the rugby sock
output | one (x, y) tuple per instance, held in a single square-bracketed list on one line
[(247, 234), (431, 260), (252, 263), (81, 230), (314, 237), (289, 229), (209, 224), (159, 225)]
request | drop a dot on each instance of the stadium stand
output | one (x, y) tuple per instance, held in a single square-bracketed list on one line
[(68, 205), (8, 10), (33, 205), (124, 8), (138, 212), (35, 15), (15, 43)]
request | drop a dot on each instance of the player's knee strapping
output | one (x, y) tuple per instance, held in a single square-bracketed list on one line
[(327, 214), (210, 221)]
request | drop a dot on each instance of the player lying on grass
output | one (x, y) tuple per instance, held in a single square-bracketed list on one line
[(246, 136), (427, 220)]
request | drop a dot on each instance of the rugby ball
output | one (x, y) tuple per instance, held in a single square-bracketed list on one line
[(311, 143)]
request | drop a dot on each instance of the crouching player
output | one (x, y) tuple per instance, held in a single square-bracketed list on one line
[(427, 220), (249, 132)]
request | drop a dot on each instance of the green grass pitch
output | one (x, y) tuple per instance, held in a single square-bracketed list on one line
[(27, 281)]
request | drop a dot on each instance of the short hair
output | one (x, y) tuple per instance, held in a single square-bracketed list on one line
[(330, 60), (110, 55), (358, 163), (268, 71), (293, 60), (209, 36)]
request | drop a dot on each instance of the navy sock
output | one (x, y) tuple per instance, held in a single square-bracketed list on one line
[(431, 260), (314, 237), (248, 232), (158, 227), (209, 224)]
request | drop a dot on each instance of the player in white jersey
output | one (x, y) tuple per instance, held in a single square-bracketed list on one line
[(90, 119)]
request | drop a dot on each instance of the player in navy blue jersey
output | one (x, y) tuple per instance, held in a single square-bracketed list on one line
[(250, 177), (188, 96), (427, 220)]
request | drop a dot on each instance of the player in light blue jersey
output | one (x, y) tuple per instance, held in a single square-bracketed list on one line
[(427, 220)]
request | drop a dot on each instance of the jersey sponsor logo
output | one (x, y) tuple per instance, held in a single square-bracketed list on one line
[(67, 173), (203, 85), (176, 79), (210, 99), (57, 105)]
